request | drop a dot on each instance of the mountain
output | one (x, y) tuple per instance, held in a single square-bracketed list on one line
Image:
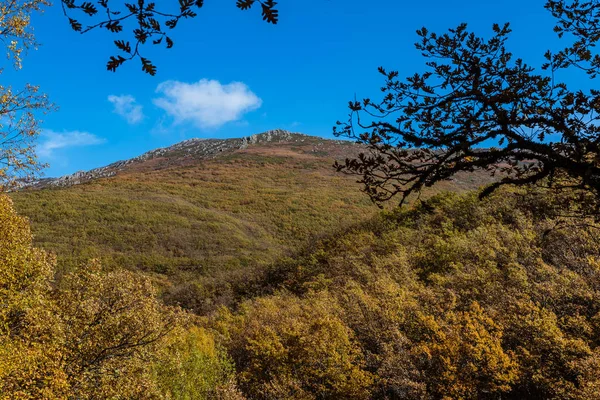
[(197, 211), (189, 151)]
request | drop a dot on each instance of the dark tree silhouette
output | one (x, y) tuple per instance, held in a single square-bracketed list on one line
[(151, 21), (477, 107)]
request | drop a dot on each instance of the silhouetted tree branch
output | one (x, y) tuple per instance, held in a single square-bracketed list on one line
[(151, 22), (477, 108)]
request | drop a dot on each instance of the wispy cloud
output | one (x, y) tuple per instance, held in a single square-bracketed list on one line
[(206, 103), (127, 107), (52, 141)]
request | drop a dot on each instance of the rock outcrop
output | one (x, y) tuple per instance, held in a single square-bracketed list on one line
[(191, 148)]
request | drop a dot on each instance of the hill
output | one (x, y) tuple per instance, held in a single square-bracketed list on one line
[(327, 297), (200, 209), (455, 298)]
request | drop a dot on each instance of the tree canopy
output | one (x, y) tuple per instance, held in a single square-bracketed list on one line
[(477, 107), (95, 335)]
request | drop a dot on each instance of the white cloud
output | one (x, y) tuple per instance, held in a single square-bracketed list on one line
[(127, 108), (51, 141), (206, 103)]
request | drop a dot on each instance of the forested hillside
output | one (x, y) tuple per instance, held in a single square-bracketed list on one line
[(453, 299), (305, 290), (447, 247), (184, 216)]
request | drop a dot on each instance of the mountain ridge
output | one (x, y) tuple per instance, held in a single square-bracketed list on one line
[(196, 148)]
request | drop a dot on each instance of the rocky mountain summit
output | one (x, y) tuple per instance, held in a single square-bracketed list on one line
[(188, 149)]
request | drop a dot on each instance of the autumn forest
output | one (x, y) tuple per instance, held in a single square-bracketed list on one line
[(443, 243)]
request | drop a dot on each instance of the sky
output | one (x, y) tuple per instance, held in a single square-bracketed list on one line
[(229, 74)]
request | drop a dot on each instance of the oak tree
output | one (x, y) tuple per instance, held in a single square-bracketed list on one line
[(477, 107)]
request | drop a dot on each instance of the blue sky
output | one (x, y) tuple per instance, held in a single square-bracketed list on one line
[(230, 74)]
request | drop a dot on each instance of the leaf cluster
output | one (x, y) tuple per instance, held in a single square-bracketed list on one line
[(20, 108), (151, 22)]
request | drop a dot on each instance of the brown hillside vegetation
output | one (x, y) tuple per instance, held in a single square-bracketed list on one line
[(195, 217), (454, 299)]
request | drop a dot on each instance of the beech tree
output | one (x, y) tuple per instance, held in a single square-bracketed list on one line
[(476, 107)]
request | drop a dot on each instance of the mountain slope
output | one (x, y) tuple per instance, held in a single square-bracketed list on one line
[(202, 208), (455, 299), (182, 153), (196, 205)]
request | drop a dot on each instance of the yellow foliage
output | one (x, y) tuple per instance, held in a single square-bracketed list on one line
[(191, 366), (15, 27), (29, 368), (466, 357), (454, 299), (287, 348), (93, 336), (19, 109)]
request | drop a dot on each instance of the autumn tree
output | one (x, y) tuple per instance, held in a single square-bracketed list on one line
[(19, 107), (28, 367), (147, 21), (476, 107), (286, 348), (93, 335), (112, 325)]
